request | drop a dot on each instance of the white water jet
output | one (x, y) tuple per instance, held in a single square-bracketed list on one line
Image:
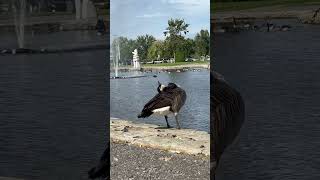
[(85, 9), (19, 12), (117, 59), (84, 12), (115, 56), (78, 9)]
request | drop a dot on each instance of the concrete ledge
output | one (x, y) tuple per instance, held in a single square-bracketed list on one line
[(187, 141)]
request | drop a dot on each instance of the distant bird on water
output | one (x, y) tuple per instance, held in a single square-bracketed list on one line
[(228, 110), (169, 100), (101, 170)]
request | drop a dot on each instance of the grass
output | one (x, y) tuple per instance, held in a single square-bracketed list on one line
[(243, 5), (175, 64)]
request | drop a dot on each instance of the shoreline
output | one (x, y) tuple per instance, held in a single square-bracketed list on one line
[(183, 141), (18, 51), (303, 13), (176, 67), (181, 67)]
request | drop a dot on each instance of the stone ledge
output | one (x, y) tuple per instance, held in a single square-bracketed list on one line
[(186, 141)]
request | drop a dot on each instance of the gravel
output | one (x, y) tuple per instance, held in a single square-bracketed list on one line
[(132, 162)]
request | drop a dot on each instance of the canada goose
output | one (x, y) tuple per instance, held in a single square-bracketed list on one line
[(169, 100), (101, 170), (228, 110)]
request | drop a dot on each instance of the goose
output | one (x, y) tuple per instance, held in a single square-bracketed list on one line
[(169, 100), (101, 170), (227, 114)]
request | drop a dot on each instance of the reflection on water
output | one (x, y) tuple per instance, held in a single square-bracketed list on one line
[(279, 78), (128, 97), (63, 39), (52, 114)]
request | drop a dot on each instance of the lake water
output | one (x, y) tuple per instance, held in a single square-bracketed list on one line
[(128, 96), (278, 76), (52, 112)]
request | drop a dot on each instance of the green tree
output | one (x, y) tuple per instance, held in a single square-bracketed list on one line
[(156, 49), (188, 47), (167, 50), (202, 43), (174, 33), (143, 43)]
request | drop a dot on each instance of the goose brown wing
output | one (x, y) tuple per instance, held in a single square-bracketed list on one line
[(158, 101), (228, 115), (179, 98)]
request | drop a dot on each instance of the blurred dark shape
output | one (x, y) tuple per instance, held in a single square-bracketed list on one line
[(101, 27), (227, 116), (102, 169)]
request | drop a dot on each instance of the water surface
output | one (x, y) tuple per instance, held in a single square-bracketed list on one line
[(52, 113), (278, 76), (128, 96)]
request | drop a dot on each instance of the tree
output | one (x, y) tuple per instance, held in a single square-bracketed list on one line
[(176, 27), (143, 43), (174, 35), (156, 49), (188, 47), (202, 43)]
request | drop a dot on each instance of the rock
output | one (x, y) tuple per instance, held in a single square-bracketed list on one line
[(165, 159), (172, 140), (125, 129)]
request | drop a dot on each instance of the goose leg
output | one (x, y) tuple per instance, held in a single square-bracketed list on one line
[(168, 126), (213, 166), (178, 124)]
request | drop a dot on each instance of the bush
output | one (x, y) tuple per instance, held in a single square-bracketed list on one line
[(180, 56)]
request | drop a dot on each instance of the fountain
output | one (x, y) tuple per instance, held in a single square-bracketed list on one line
[(19, 16), (19, 11), (115, 57)]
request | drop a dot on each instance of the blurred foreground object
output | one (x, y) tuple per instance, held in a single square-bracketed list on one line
[(227, 116)]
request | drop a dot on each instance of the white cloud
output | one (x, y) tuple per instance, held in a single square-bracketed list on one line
[(152, 15), (131, 18), (190, 7)]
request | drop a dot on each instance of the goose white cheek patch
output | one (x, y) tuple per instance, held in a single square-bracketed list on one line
[(162, 87)]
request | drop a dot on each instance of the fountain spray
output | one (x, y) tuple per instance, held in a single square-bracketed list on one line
[(19, 12)]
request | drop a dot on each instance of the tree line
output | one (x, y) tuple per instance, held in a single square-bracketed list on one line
[(234, 0), (175, 45)]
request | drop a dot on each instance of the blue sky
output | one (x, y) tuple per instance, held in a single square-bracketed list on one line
[(131, 18)]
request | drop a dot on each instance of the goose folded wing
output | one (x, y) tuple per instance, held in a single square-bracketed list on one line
[(158, 101), (228, 115)]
